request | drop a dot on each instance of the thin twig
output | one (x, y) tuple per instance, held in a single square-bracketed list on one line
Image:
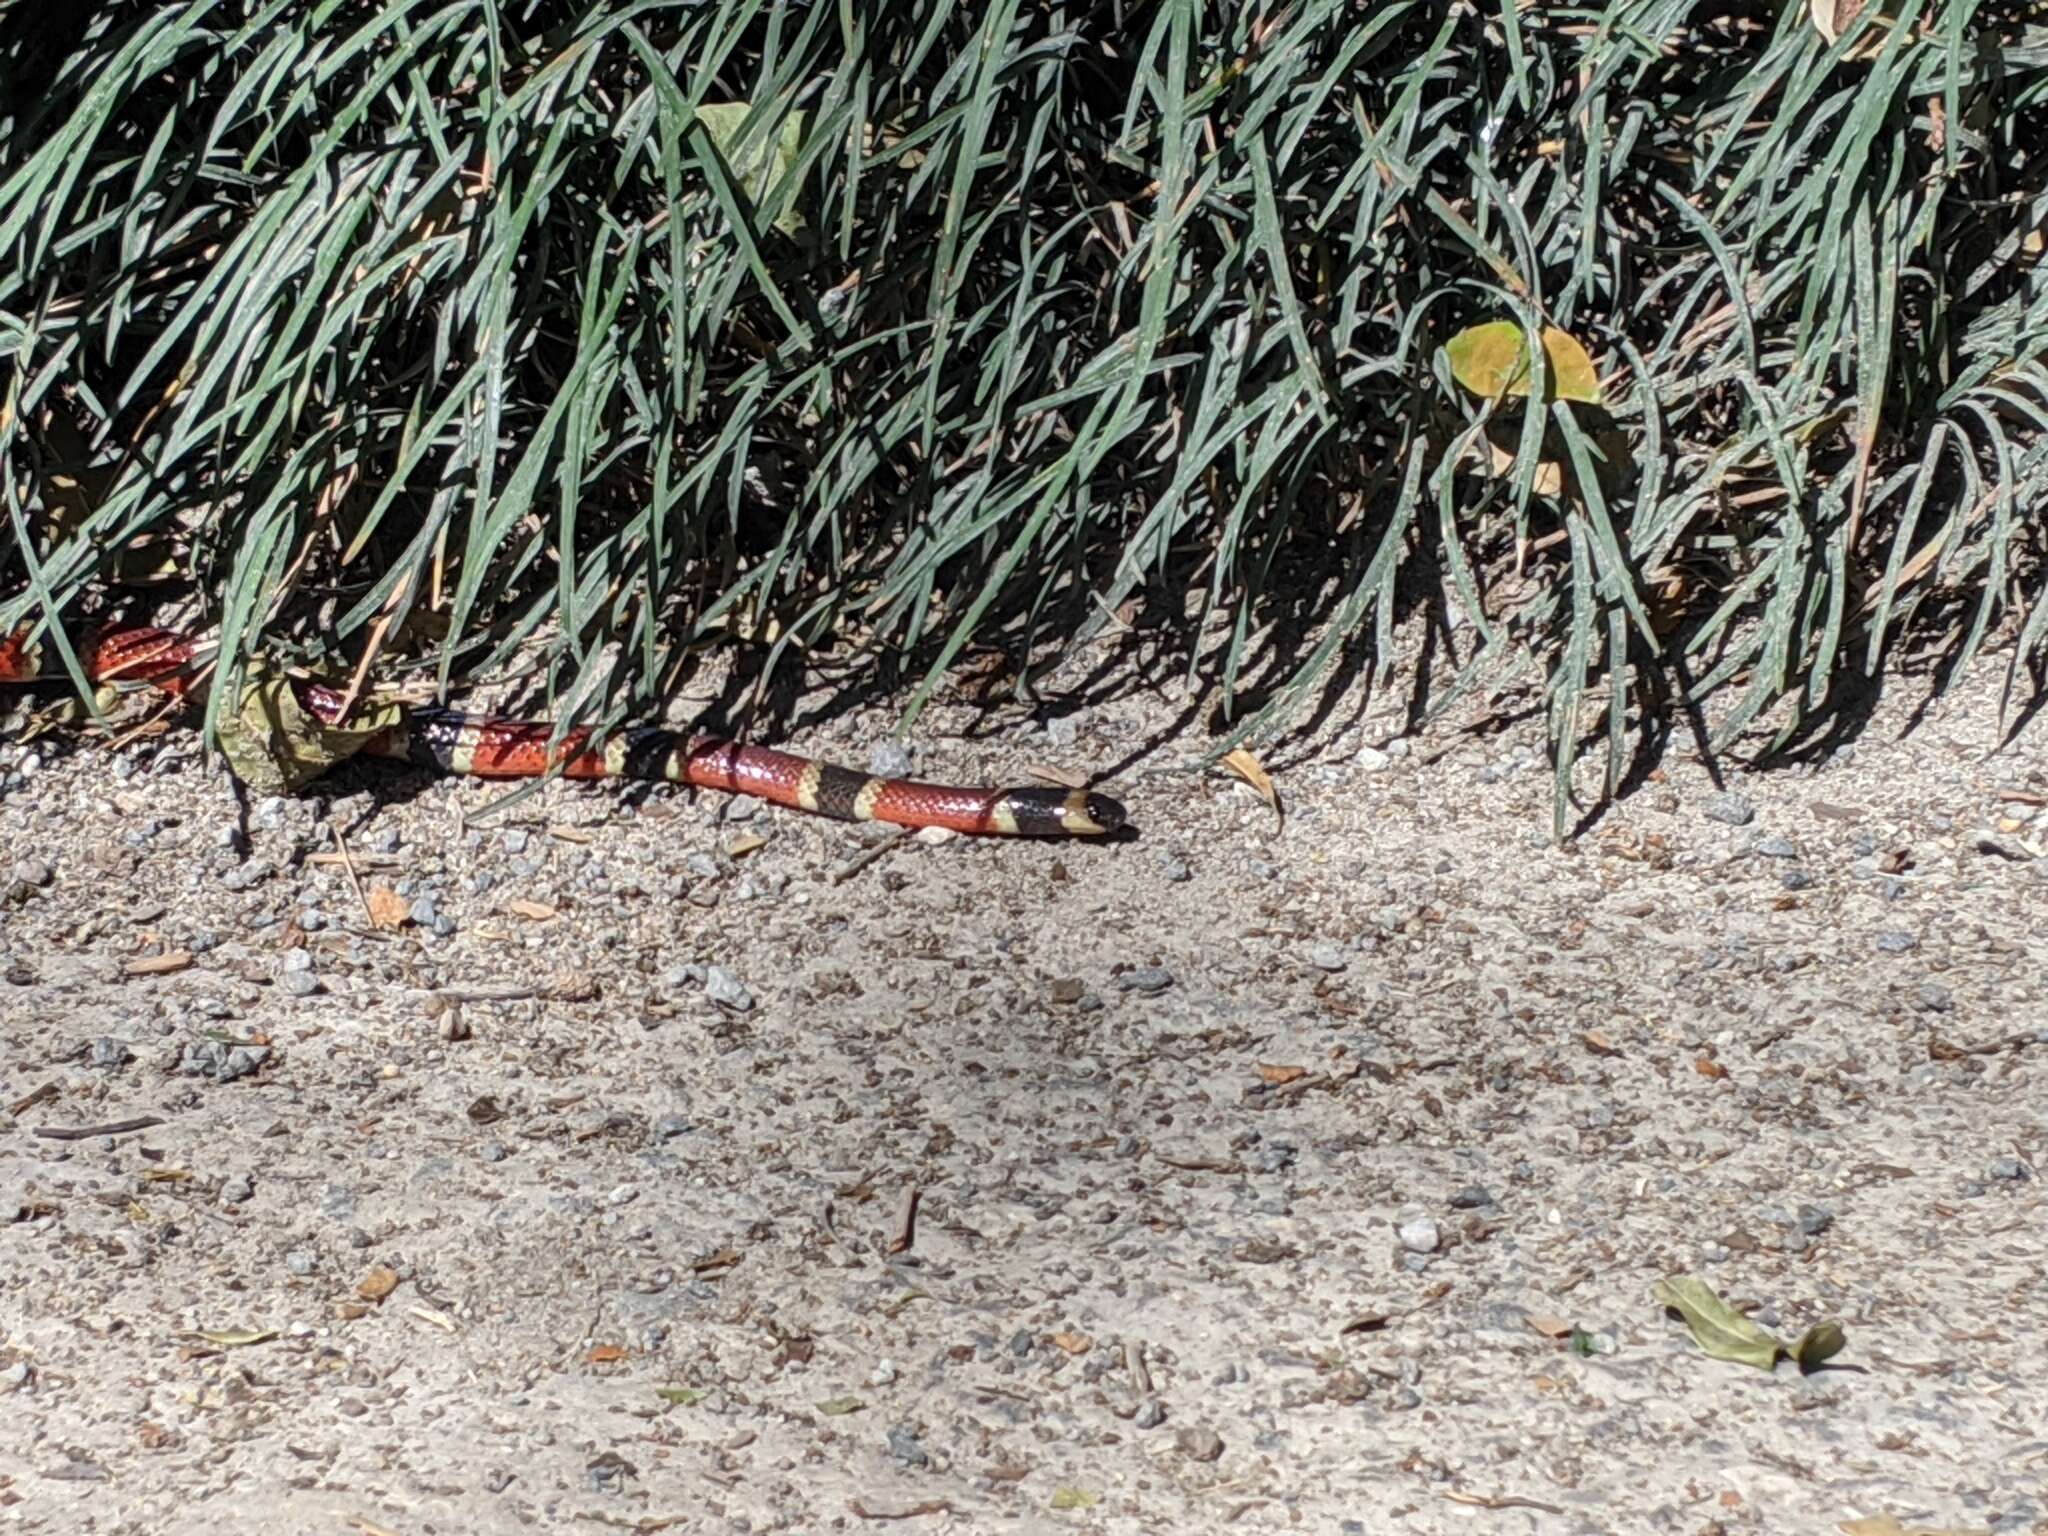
[(349, 865), (87, 1132), (867, 856)]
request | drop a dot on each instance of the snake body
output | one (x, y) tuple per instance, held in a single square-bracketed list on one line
[(493, 747)]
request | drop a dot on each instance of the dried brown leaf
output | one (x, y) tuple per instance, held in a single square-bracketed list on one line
[(378, 1283), (1247, 767)]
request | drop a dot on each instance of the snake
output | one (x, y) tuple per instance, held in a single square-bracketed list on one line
[(483, 746)]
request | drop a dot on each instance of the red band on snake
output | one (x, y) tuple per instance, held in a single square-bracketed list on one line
[(485, 746)]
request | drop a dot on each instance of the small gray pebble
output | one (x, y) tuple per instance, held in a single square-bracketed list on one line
[(1893, 941), (2007, 1168), (300, 983), (1200, 1443), (904, 1447), (1472, 1197), (1264, 869), (1795, 880), (296, 960), (242, 876), (386, 841), (1777, 848), (1277, 1156), (494, 1152), (726, 989), (668, 1127), (1815, 1219), (1061, 731), (701, 864), (110, 1053), (1151, 1415), (16, 1376), (36, 872), (238, 1190), (1327, 957), (1173, 869), (1730, 808), (1022, 1342), (890, 760), (425, 909), (1933, 997), (1146, 978), (300, 1261), (516, 839)]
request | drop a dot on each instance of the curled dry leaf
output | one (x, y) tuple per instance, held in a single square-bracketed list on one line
[(1074, 1343), (1717, 1327), (378, 1283), (274, 744), (159, 965), (1726, 1334), (1247, 767), (388, 909), (1278, 1075)]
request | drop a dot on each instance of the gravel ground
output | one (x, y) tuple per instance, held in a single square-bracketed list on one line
[(647, 1176)]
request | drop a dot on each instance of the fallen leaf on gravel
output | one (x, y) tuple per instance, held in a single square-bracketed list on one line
[(1706, 1066), (237, 1338), (275, 744), (1726, 1334), (160, 965), (1074, 1343), (605, 1354), (837, 1406), (1717, 1327), (166, 1175), (1064, 777), (1253, 772), (745, 844), (388, 909), (1599, 1044), (1821, 1342), (682, 1396), (1550, 1325), (1073, 1498), (1366, 1322), (534, 911), (1888, 1525), (1278, 1075), (719, 1260), (485, 1111), (378, 1283)]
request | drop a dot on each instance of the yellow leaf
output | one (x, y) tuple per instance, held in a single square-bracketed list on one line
[(275, 745), (1493, 360), (1253, 772)]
